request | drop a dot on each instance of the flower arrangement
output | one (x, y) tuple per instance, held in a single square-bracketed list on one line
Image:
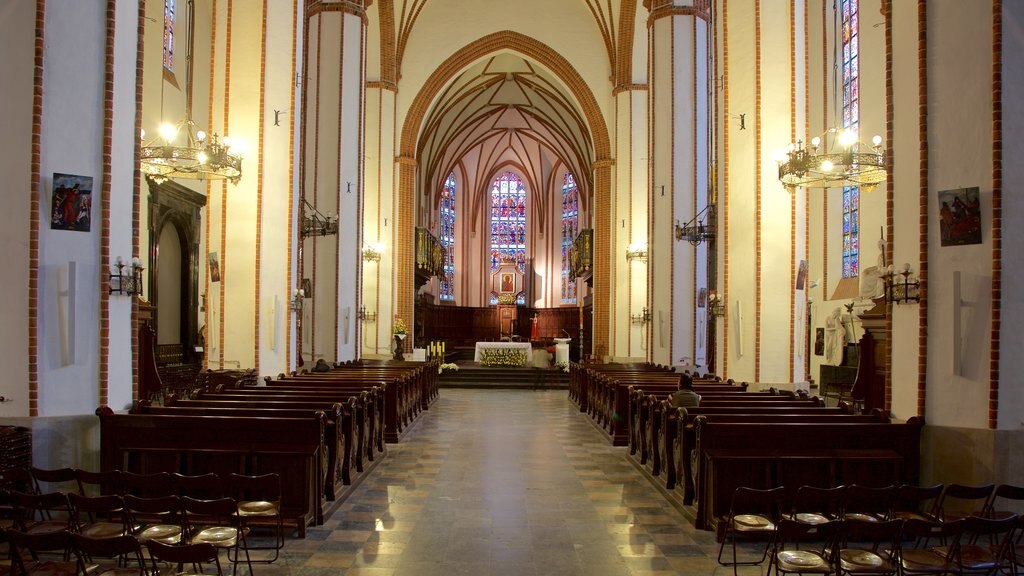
[(399, 327), (447, 366), (502, 357), (563, 366)]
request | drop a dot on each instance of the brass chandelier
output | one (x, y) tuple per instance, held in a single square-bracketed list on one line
[(834, 159), (199, 156)]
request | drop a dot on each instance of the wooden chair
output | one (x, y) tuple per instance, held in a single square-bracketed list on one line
[(921, 559), (916, 502), (804, 548), (123, 550), (99, 483), (1003, 492), (259, 503), (41, 513), (752, 514), (201, 487), (813, 505), (984, 545), (869, 546), (54, 480), (26, 549), (98, 516), (216, 522), (155, 519), (959, 501), (867, 503), (194, 554), (154, 485)]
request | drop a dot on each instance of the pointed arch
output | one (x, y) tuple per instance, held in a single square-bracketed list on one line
[(406, 160)]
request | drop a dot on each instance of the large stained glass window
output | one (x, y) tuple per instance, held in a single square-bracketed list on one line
[(508, 224), (169, 35), (448, 239), (851, 119), (570, 225)]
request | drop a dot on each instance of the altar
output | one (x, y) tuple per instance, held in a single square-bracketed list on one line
[(503, 353)]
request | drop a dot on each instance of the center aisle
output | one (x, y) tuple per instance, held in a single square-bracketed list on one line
[(494, 482)]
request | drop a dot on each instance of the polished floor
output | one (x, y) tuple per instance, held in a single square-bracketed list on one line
[(495, 482)]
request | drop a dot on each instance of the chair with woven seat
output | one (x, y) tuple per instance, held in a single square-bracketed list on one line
[(98, 516), (867, 503), (158, 519), (960, 501), (123, 555), (869, 546), (914, 502), (99, 483), (41, 513), (920, 558), (216, 522), (27, 549), (753, 514), (155, 485), (814, 505), (201, 486), (195, 555), (54, 480), (259, 504), (995, 507), (804, 548), (984, 545)]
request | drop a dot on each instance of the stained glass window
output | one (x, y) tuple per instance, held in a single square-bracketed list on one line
[(448, 239), (851, 119), (169, 35), (508, 224), (570, 225)]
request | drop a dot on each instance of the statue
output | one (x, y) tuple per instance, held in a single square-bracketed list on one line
[(872, 286), (835, 337)]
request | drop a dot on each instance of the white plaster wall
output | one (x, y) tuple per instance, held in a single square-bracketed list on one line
[(122, 184), (906, 203), (622, 218), (1011, 395), (350, 185), (960, 155), (276, 230), (682, 73), (17, 28), (776, 268), (739, 287), (378, 207), (72, 136)]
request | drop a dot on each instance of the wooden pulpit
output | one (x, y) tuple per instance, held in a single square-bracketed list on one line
[(869, 387)]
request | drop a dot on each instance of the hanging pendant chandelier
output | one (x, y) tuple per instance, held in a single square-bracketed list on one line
[(832, 160), (182, 150)]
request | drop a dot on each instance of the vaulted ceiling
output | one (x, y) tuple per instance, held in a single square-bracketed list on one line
[(504, 112)]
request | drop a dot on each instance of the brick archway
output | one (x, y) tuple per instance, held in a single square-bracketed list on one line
[(564, 71)]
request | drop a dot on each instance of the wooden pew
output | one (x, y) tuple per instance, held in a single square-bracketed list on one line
[(338, 429), (291, 447), (764, 455)]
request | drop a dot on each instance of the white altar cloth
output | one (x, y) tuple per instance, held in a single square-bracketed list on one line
[(526, 347)]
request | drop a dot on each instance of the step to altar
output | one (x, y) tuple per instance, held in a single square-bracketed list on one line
[(506, 377)]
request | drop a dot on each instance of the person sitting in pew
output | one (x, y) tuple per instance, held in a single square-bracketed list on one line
[(321, 366), (685, 397)]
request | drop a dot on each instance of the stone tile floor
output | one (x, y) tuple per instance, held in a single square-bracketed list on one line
[(495, 482)]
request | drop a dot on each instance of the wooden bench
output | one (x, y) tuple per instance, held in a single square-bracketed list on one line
[(765, 455), (290, 447)]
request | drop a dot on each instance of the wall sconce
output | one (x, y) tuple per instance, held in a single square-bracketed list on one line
[(901, 286), (701, 228), (365, 316), (372, 252), (127, 282), (316, 224), (642, 318), (297, 296), (716, 308), (636, 251)]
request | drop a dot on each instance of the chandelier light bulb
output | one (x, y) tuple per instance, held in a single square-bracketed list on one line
[(816, 141), (238, 147), (202, 157), (142, 133), (200, 136), (827, 166), (168, 132), (227, 141), (780, 156), (847, 138), (877, 140)]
